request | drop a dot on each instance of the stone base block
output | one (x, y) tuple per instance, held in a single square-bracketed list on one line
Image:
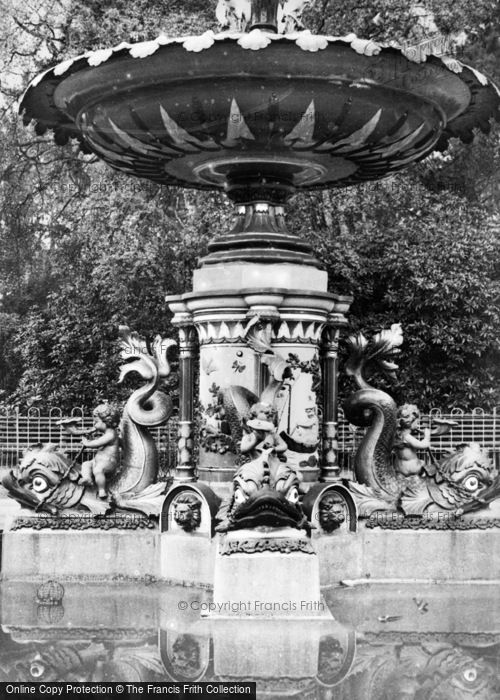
[(9, 510), (87, 554), (284, 574), (187, 559), (411, 555), (267, 573)]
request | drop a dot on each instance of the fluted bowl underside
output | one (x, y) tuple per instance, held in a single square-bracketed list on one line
[(224, 116)]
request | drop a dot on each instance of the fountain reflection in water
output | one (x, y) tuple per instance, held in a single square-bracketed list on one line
[(156, 633)]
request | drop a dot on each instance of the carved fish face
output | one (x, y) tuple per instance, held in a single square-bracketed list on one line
[(39, 667), (52, 663), (469, 469), (266, 492), (464, 679), (42, 469), (40, 482), (46, 480), (266, 508)]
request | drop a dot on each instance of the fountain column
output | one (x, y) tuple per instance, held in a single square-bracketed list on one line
[(185, 469), (265, 15), (330, 467), (259, 279)]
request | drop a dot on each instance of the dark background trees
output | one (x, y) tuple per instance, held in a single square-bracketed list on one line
[(83, 249)]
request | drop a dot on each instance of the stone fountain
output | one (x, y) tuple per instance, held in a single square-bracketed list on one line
[(260, 115)]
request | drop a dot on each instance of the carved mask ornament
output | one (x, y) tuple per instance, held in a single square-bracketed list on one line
[(187, 512), (331, 512)]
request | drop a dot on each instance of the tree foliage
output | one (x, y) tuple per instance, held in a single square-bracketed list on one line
[(84, 249), (430, 261)]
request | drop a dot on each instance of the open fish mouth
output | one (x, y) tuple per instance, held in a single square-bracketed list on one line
[(269, 509)]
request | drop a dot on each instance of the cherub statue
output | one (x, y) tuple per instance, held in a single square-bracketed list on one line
[(290, 15), (465, 481), (409, 439), (234, 14), (252, 418), (422, 24), (260, 432), (107, 458)]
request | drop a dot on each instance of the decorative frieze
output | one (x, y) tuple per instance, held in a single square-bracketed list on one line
[(299, 331)]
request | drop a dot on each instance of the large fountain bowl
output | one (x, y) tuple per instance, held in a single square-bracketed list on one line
[(225, 111)]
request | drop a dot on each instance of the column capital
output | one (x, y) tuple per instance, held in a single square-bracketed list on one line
[(188, 336), (338, 318), (182, 319), (330, 341)]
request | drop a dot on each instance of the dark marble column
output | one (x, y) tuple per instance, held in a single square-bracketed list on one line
[(330, 470), (185, 469)]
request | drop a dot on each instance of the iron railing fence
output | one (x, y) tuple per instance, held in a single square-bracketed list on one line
[(18, 430), (477, 425)]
